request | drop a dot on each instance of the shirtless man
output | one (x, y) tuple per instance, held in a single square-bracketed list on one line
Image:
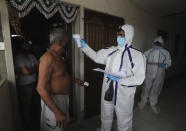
[(54, 84)]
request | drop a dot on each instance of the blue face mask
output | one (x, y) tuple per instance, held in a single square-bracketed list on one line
[(121, 41)]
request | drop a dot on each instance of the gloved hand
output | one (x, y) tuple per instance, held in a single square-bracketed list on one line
[(120, 74), (113, 78), (162, 65), (83, 44)]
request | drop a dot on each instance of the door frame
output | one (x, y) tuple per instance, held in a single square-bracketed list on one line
[(7, 41), (78, 65), (9, 64)]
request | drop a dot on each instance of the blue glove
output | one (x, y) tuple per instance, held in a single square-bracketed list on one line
[(113, 78), (162, 66), (83, 44)]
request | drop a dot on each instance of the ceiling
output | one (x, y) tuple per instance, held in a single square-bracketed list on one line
[(172, 9)]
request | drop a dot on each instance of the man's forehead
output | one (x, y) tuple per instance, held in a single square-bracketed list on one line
[(121, 32)]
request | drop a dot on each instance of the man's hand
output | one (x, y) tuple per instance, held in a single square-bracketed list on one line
[(25, 70), (79, 82), (61, 121), (162, 65)]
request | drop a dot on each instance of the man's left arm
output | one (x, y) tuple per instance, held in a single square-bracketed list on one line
[(138, 72)]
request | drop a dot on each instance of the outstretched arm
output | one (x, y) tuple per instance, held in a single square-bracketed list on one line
[(99, 56)]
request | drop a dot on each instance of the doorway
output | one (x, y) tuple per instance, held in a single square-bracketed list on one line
[(36, 28), (100, 32)]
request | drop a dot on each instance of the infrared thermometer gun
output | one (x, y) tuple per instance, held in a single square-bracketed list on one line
[(78, 39)]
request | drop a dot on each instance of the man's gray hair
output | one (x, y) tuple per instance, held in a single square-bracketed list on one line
[(57, 34)]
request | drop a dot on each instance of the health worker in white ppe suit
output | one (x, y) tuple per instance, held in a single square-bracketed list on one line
[(118, 93), (158, 60)]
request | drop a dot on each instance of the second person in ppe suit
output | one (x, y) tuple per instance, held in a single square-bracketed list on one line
[(118, 93), (158, 60)]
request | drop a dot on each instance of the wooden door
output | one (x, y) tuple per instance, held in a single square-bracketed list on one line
[(100, 32)]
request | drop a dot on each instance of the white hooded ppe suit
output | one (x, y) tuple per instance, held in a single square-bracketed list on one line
[(155, 74), (132, 62)]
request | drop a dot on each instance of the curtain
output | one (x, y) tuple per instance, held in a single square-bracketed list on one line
[(46, 7)]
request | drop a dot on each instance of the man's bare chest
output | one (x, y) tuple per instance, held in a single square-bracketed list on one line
[(59, 66)]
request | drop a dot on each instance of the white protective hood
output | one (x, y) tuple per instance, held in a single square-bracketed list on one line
[(159, 39), (129, 33)]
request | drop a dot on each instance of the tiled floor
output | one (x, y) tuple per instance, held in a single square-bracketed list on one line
[(171, 118)]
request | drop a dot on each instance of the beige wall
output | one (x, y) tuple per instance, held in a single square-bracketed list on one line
[(145, 24)]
